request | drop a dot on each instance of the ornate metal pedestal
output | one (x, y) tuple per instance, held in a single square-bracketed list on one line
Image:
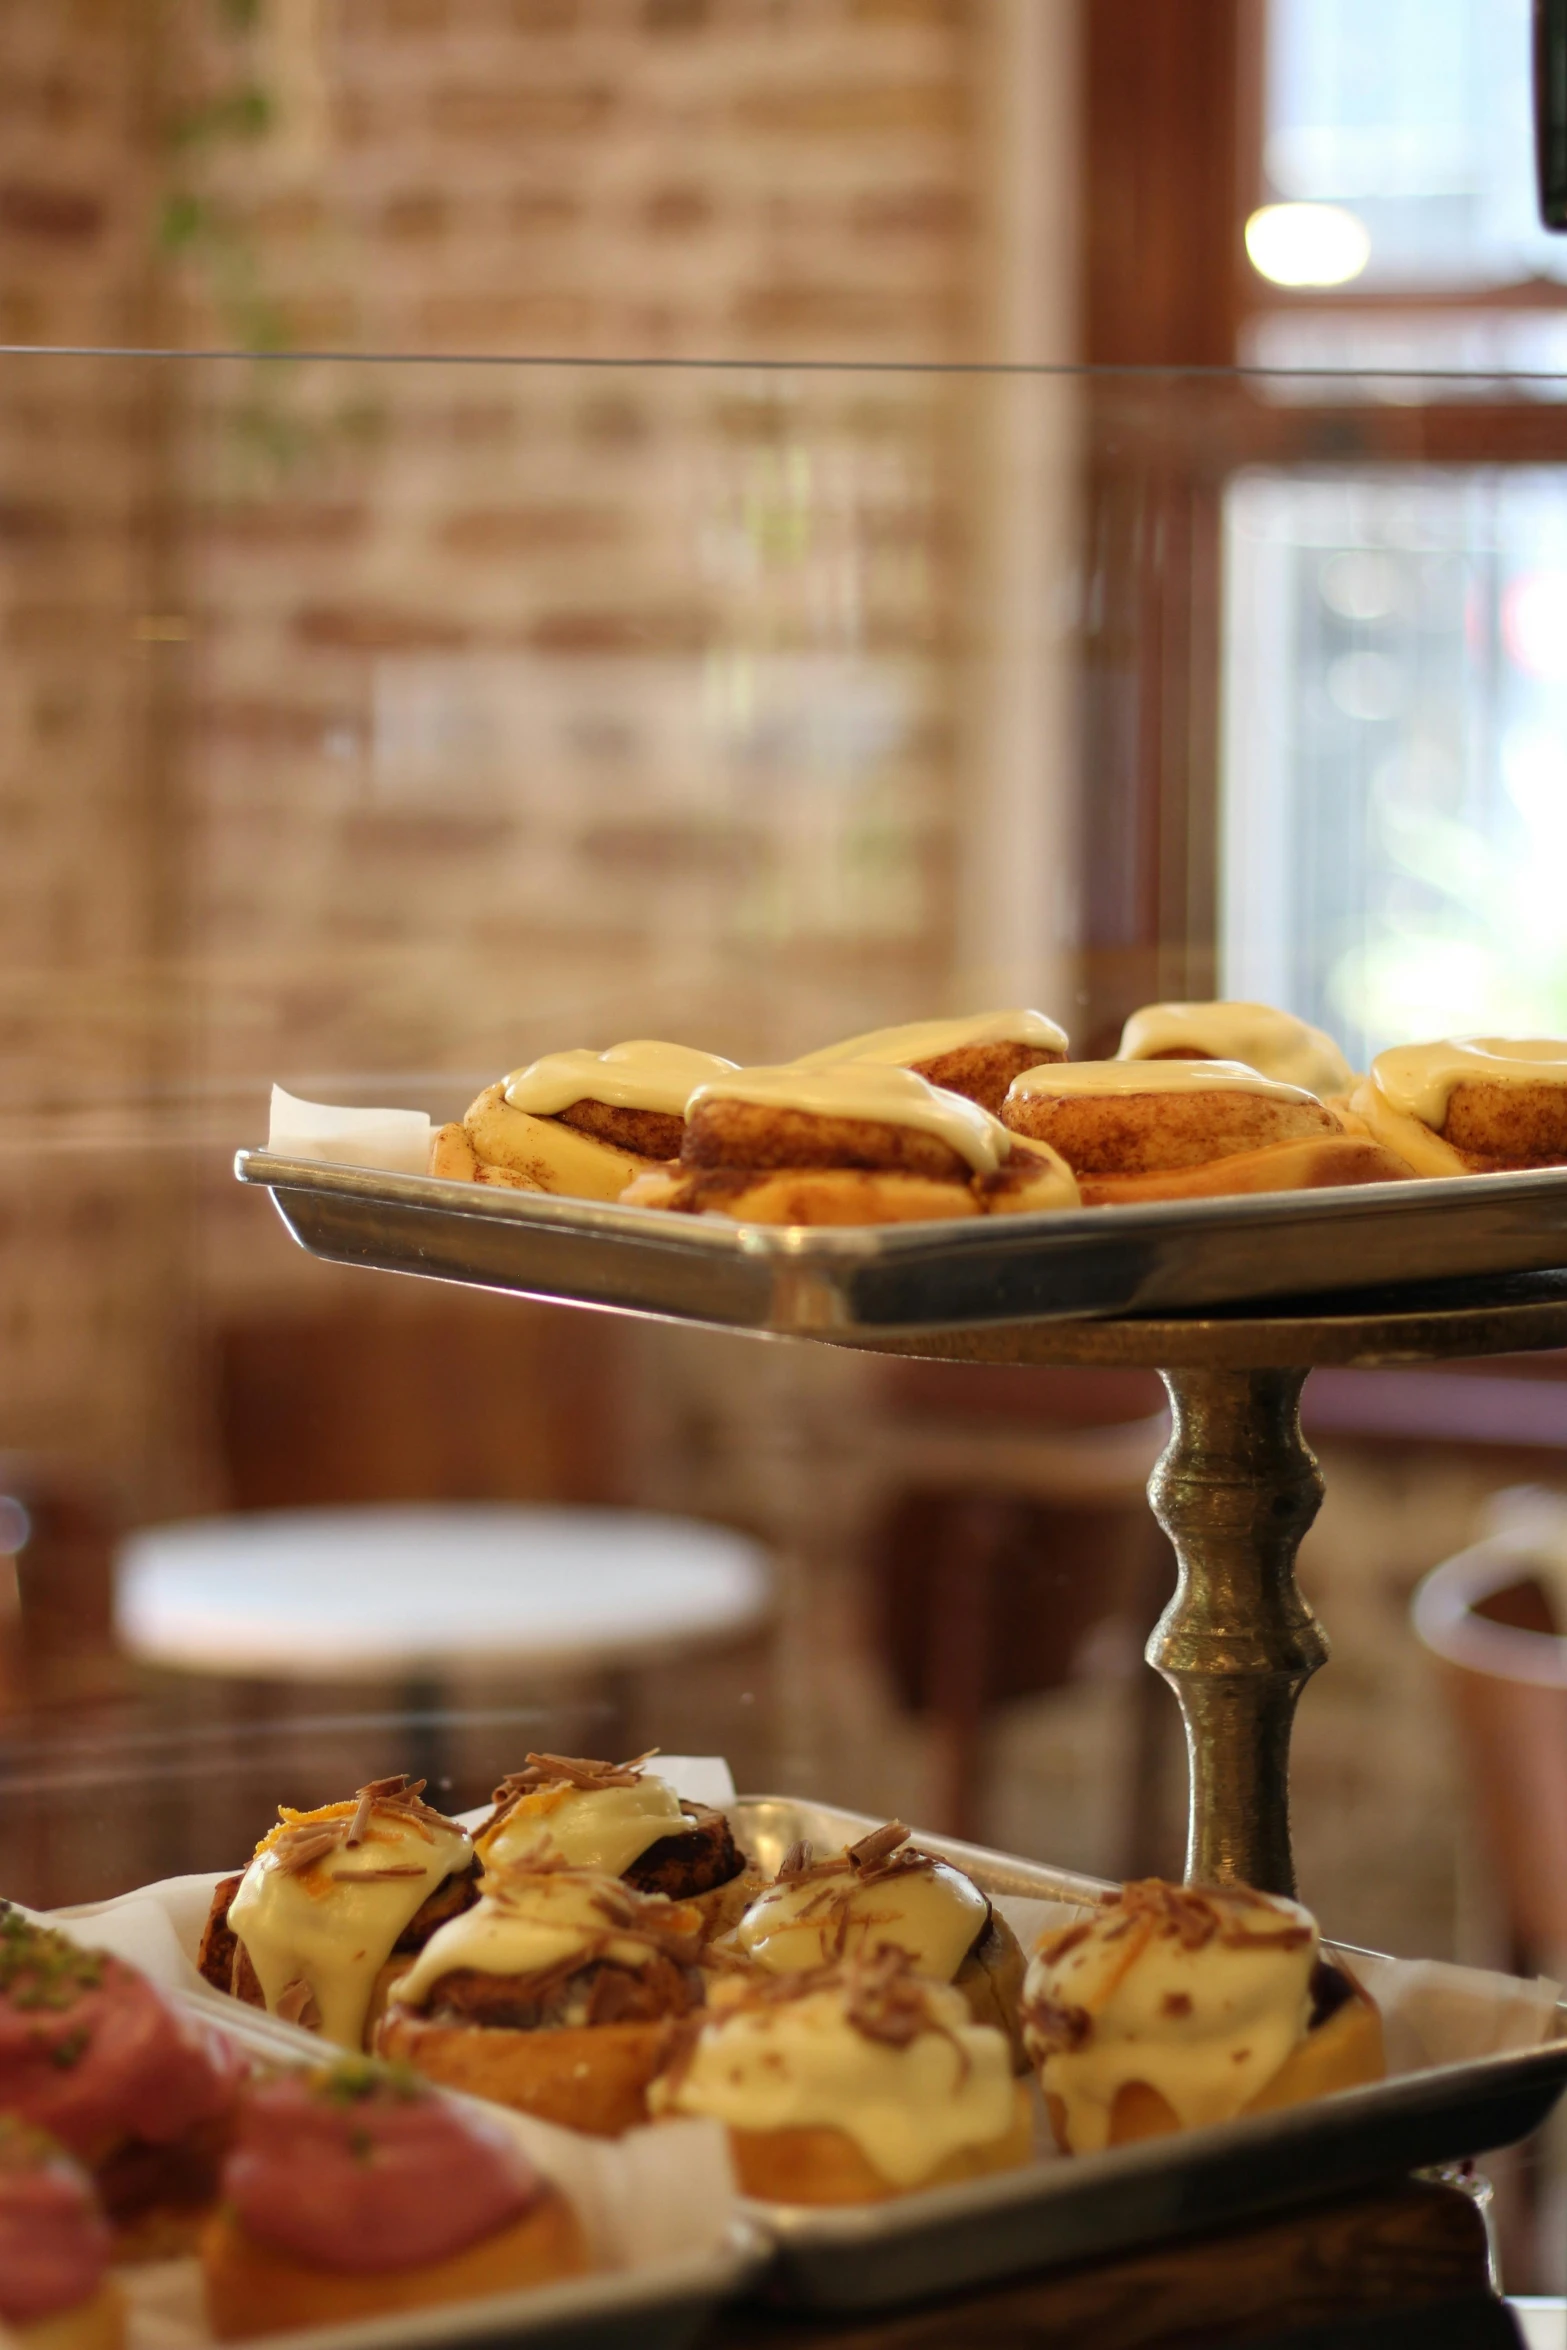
[(1235, 1490)]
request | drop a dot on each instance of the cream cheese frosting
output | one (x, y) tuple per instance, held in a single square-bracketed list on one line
[(892, 1096), (527, 1924), (1066, 1080), (1274, 1043), (331, 1925), (803, 2064), (1200, 1993), (927, 1909), (1418, 1080), (928, 1040), (604, 1828), (1425, 1152), (1041, 1177), (641, 1075)]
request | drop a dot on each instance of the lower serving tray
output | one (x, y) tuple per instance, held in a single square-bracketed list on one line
[(870, 1279), (1059, 2211), (658, 2302), (1052, 2213)]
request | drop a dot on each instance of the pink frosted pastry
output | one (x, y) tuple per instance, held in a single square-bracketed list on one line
[(359, 2191)]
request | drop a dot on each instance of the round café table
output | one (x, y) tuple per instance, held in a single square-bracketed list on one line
[(420, 1595), (371, 1593)]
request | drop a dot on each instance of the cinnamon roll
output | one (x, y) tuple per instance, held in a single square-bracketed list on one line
[(848, 1143), (978, 1056), (1181, 1129), (580, 1123)]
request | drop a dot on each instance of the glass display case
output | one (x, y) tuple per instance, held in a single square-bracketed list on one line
[(527, 527)]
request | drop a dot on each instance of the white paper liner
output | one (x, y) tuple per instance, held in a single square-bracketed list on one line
[(395, 1141)]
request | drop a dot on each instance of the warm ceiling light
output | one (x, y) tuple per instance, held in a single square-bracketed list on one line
[(1307, 244)]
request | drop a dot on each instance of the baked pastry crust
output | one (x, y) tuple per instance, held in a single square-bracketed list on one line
[(1320, 1163), (812, 1195), (454, 1160), (252, 2289), (983, 1072), (545, 1153), (590, 2077), (96, 2324), (729, 1133), (1155, 1133), (650, 1134), (1499, 1126), (824, 2165)]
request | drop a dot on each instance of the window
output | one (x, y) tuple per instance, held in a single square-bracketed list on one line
[(1396, 746), (1414, 115), (1394, 764)]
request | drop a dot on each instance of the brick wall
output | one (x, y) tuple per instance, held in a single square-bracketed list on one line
[(85, 848), (366, 724)]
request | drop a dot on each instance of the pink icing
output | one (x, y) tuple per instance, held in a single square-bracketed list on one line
[(54, 2241), (348, 2171), (90, 2052)]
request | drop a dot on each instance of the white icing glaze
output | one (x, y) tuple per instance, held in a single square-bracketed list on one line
[(1260, 1037), (870, 1089), (1418, 1079), (802, 2065), (1426, 1153), (1061, 1080), (927, 1040), (933, 1913), (1208, 2027), (329, 1927), (642, 1075), (603, 1828), (523, 1924), (1049, 1183)]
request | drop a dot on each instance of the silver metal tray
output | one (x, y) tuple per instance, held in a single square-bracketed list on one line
[(665, 2307), (1058, 2212), (902, 1278)]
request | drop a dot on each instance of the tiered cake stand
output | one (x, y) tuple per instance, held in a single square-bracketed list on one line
[(1235, 1490), (1236, 1487)]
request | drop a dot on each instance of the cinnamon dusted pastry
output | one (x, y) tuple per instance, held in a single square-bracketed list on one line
[(1173, 2006), (623, 1819), (1273, 1043), (577, 1122), (978, 1056), (332, 1905), (885, 1893), (552, 1994), (848, 1143), (1474, 1105), (1182, 1129), (848, 2084)]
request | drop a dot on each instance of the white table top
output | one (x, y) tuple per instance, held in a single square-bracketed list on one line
[(367, 1592)]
